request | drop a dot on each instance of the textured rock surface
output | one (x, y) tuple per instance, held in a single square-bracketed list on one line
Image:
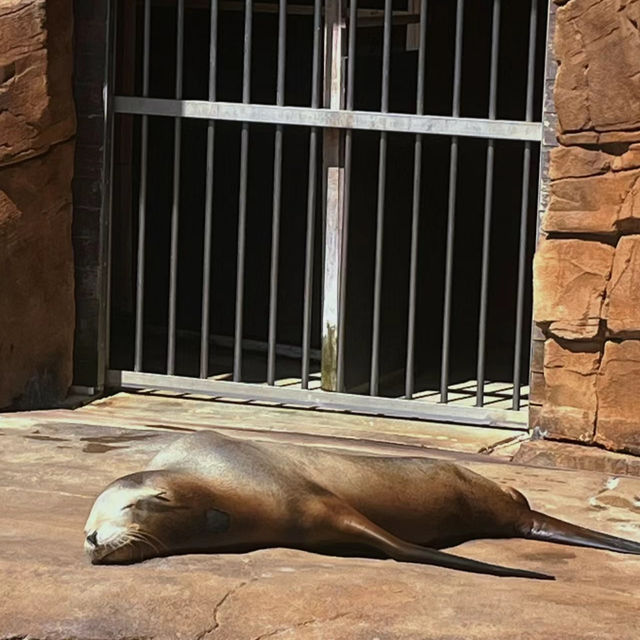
[(565, 455), (37, 120), (622, 306), (570, 403), (36, 104), (618, 425), (570, 278), (601, 204), (598, 83), (36, 278), (577, 162), (583, 288), (49, 477)]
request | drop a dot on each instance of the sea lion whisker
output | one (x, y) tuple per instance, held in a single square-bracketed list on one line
[(145, 536), (137, 537), (148, 535), (128, 542), (134, 537)]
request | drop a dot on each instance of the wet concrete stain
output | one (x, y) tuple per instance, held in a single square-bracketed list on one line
[(558, 556), (47, 438), (118, 438), (93, 447), (170, 427)]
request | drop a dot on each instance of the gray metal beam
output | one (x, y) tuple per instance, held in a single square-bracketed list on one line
[(391, 407), (331, 118)]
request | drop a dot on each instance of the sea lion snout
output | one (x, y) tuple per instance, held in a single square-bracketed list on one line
[(140, 516)]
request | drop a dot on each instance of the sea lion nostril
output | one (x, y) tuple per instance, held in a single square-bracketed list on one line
[(92, 539)]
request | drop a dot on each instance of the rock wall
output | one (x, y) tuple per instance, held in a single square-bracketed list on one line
[(587, 267), (37, 124)]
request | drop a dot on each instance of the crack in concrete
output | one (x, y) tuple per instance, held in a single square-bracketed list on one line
[(299, 625), (216, 609)]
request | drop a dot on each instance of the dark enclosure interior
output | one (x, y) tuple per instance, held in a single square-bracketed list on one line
[(511, 98)]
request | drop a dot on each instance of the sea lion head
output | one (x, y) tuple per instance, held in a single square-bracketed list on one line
[(147, 514)]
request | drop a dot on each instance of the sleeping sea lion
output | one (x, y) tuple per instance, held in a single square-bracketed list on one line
[(210, 493)]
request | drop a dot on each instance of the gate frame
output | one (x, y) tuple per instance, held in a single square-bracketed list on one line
[(332, 121)]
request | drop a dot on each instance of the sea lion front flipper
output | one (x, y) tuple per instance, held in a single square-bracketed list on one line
[(361, 530)]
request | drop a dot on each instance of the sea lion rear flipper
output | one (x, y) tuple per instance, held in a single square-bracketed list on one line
[(363, 531), (544, 527)]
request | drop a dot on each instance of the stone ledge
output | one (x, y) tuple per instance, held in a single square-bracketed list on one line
[(565, 455), (50, 474)]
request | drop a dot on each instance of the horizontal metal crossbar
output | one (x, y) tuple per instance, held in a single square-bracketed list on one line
[(391, 407), (331, 118)]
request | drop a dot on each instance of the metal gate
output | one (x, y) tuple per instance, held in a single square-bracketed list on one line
[(190, 213)]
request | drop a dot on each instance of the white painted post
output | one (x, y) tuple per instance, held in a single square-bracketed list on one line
[(333, 168)]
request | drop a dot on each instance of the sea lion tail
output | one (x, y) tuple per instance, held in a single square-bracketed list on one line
[(544, 527)]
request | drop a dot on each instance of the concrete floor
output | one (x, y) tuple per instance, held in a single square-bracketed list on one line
[(53, 464)]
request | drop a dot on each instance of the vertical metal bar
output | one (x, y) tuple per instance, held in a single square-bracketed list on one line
[(277, 188), (123, 260), (526, 170), (453, 173), (242, 197), (382, 170), (208, 204), (333, 177), (342, 301), (488, 198), (175, 207), (106, 208), (415, 213), (311, 198), (386, 55), (142, 195)]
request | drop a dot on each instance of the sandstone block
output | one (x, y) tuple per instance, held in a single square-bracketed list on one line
[(622, 306), (630, 159), (580, 162), (578, 137), (570, 403), (603, 204), (563, 455), (36, 100), (618, 423), (36, 278), (577, 162), (598, 81), (570, 278)]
